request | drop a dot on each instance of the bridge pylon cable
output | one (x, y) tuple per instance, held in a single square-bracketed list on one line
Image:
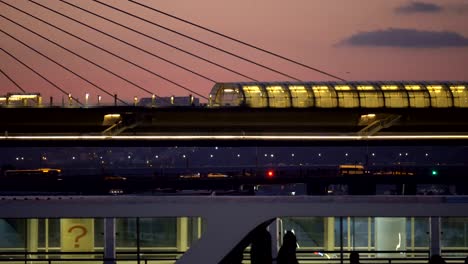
[(162, 42), (40, 75), (131, 45), (61, 65), (11, 80), (111, 53), (239, 41), (78, 55), (201, 42)]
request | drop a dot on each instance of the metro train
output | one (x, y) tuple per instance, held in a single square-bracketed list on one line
[(404, 94)]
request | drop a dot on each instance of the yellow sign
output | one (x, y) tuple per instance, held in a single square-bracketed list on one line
[(76, 235)]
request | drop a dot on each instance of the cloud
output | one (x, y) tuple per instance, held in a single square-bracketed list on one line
[(419, 7), (407, 38)]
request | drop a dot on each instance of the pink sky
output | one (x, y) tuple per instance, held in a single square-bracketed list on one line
[(308, 31)]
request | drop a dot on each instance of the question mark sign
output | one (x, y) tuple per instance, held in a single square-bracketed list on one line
[(83, 233)]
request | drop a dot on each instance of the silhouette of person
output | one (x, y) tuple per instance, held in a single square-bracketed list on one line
[(287, 252), (260, 249), (354, 258), (436, 259)]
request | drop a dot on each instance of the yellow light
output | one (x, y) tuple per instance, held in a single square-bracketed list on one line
[(320, 88), (275, 89), (412, 87), (16, 97), (251, 89), (342, 88), (365, 88), (434, 88), (3, 98), (297, 89), (457, 89), (112, 116), (228, 90), (389, 87)]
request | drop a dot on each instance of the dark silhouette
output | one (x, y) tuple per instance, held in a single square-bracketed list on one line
[(287, 252), (354, 258), (466, 260), (436, 259), (260, 249)]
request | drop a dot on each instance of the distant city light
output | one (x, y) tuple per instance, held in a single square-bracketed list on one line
[(373, 154), (346, 154), (272, 155), (183, 156), (238, 155), (211, 155), (292, 154), (156, 156), (427, 154), (320, 154), (73, 158), (129, 157)]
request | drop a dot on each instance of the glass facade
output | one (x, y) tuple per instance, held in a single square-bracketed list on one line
[(157, 238), (342, 95)]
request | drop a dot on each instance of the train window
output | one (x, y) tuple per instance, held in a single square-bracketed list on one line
[(351, 169), (418, 97), (347, 97), (394, 96), (369, 96), (324, 96), (460, 95), (278, 96), (254, 96), (440, 96), (301, 96), (228, 96)]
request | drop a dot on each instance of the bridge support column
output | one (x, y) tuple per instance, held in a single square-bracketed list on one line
[(222, 234), (182, 233), (434, 235), (329, 228), (32, 239), (109, 240)]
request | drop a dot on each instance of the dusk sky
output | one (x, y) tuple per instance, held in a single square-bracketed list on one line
[(355, 40)]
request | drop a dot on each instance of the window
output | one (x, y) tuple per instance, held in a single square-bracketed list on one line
[(278, 96), (301, 96), (418, 97), (254, 96), (460, 95), (347, 97), (440, 96), (324, 96), (370, 97)]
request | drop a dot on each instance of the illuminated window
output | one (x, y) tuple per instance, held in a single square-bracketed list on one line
[(228, 95), (369, 97), (418, 97), (440, 96), (324, 96), (277, 96), (254, 97), (301, 96), (412, 87), (460, 95), (389, 87), (347, 98)]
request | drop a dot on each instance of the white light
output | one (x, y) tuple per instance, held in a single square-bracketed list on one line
[(320, 154), (266, 155), (129, 157), (211, 155), (183, 156), (73, 158), (346, 154), (17, 158), (399, 154), (238, 155), (216, 147), (427, 154), (406, 154), (292, 154), (272, 155), (156, 156), (22, 158), (373, 154)]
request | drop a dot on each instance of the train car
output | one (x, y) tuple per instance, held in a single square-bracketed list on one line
[(40, 173), (404, 94)]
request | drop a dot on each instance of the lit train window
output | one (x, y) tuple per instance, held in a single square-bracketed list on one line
[(370, 97), (460, 95), (324, 96), (228, 96), (254, 96), (418, 97), (440, 96), (301, 96), (394, 96), (277, 96), (347, 97)]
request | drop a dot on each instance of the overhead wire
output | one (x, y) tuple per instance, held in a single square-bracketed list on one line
[(11, 80), (200, 41), (40, 75), (130, 44), (162, 42), (62, 66), (111, 53), (238, 41), (78, 55)]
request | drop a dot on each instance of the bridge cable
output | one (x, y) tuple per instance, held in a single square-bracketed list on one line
[(201, 42), (47, 80), (64, 67), (162, 42), (239, 41), (111, 53), (131, 45), (11, 80), (74, 53)]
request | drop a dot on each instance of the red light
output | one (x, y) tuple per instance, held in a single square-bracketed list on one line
[(270, 174)]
